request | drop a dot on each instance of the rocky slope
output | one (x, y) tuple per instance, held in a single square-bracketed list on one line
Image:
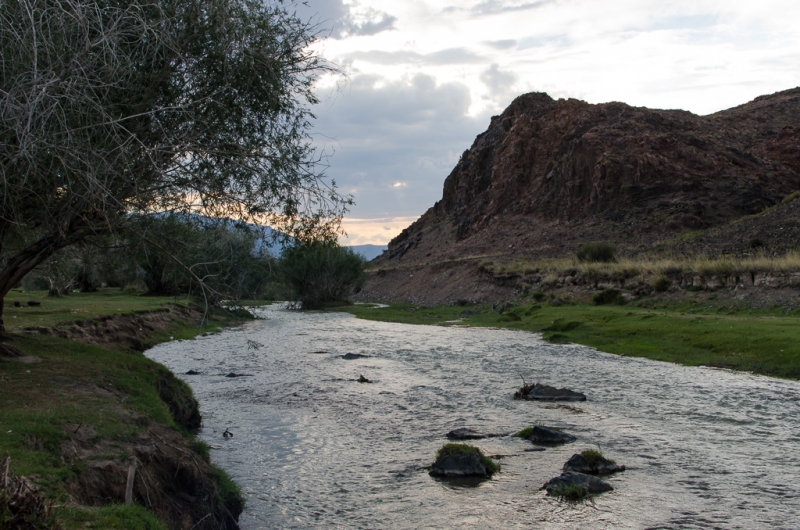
[(549, 175)]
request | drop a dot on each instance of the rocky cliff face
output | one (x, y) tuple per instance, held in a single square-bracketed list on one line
[(613, 172)]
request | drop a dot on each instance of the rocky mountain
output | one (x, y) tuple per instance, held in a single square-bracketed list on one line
[(549, 175)]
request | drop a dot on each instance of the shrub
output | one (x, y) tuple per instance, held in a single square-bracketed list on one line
[(755, 242), (321, 271), (538, 296), (662, 284), (608, 296), (597, 253), (466, 449)]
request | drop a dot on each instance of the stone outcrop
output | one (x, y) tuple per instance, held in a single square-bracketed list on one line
[(596, 466), (568, 160), (540, 392), (549, 436), (588, 483), (464, 465)]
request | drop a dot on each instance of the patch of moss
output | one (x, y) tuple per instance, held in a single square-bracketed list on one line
[(524, 433), (455, 449), (593, 457)]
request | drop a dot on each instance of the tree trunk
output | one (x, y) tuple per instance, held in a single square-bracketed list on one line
[(29, 258)]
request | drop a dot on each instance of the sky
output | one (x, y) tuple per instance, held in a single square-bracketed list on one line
[(419, 79)]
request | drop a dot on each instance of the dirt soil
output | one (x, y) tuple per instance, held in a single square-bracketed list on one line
[(171, 480), (130, 332)]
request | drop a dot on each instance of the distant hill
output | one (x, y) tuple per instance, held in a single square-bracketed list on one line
[(369, 252), (549, 175)]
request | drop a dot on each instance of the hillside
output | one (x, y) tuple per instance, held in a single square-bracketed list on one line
[(549, 175)]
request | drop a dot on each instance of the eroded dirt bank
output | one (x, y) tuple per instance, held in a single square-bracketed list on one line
[(112, 415)]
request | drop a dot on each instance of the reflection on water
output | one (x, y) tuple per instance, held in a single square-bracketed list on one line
[(314, 448)]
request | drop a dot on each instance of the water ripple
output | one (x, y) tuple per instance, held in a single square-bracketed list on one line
[(704, 448)]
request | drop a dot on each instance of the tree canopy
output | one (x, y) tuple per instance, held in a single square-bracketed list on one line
[(110, 108)]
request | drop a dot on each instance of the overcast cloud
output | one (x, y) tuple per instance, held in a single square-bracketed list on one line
[(420, 79)]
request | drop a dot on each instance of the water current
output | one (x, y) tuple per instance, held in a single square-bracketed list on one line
[(313, 448)]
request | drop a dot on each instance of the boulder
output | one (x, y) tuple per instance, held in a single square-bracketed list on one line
[(589, 483), (601, 466), (549, 436), (464, 465), (539, 392)]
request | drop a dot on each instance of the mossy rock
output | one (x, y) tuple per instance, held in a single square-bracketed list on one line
[(462, 460)]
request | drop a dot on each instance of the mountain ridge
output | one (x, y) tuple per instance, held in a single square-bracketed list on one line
[(548, 175)]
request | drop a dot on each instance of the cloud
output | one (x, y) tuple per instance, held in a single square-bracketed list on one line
[(498, 7), (505, 44), (499, 83), (395, 141), (376, 231), (439, 58), (346, 20)]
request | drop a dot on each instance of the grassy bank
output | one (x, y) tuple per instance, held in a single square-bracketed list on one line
[(77, 407), (760, 341)]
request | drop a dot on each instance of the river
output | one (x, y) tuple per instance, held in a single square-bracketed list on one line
[(313, 448)]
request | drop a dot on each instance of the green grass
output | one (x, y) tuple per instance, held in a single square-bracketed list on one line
[(455, 449), (593, 456), (524, 433), (77, 306), (111, 517), (690, 332), (571, 492), (228, 490), (112, 394)]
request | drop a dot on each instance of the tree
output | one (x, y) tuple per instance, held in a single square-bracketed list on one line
[(321, 271), (110, 108)]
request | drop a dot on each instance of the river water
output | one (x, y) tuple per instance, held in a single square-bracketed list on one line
[(313, 448)]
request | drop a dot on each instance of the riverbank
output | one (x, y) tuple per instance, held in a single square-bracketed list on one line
[(82, 407), (692, 331)]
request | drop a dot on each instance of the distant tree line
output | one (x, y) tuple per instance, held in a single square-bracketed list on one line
[(217, 259)]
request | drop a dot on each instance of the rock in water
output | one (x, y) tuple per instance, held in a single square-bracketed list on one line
[(602, 466), (464, 465), (539, 392), (351, 356), (546, 435), (465, 434), (589, 483)]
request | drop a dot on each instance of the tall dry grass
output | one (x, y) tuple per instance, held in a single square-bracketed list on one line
[(652, 266)]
